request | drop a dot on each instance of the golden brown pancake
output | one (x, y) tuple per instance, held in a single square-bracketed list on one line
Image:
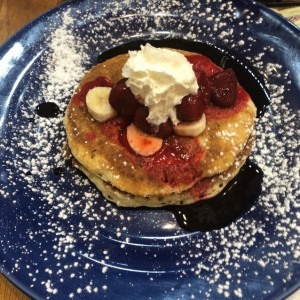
[(183, 171), (203, 189)]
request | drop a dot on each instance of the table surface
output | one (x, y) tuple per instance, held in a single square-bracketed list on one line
[(13, 16)]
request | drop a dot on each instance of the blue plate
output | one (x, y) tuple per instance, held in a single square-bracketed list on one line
[(60, 239)]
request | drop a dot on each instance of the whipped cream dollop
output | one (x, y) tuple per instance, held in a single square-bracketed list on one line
[(159, 78)]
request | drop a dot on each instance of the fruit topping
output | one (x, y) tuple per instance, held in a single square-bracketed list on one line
[(98, 105), (122, 100), (99, 81), (192, 128), (224, 88), (140, 120), (159, 78), (192, 107), (142, 143), (204, 90), (165, 129), (203, 63), (79, 97)]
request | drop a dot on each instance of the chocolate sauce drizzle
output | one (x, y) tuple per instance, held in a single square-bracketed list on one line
[(47, 110), (237, 197)]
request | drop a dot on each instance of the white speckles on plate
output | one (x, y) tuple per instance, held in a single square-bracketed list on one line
[(60, 239)]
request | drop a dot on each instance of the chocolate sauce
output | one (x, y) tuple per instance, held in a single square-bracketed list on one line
[(238, 196), (47, 110), (69, 162)]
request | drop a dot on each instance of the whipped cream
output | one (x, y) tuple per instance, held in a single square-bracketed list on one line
[(159, 78)]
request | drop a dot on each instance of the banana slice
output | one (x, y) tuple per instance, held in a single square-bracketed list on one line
[(98, 105), (142, 143), (193, 128)]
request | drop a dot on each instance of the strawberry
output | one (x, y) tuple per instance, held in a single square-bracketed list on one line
[(123, 100), (140, 120), (224, 88)]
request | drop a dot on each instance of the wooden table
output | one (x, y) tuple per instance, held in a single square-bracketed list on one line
[(13, 15)]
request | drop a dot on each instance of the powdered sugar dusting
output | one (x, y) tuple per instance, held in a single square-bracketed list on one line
[(72, 243)]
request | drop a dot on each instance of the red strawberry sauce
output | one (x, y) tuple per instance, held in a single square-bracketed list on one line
[(175, 163)]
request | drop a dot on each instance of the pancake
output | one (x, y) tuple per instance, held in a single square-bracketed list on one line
[(204, 189), (185, 170)]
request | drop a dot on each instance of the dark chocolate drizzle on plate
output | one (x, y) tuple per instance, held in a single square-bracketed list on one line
[(47, 110), (237, 197)]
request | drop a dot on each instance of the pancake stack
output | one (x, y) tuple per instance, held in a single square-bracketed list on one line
[(184, 171)]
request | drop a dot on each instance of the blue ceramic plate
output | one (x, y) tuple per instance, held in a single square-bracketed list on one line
[(60, 239)]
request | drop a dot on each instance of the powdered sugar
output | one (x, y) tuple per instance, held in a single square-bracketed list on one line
[(76, 244)]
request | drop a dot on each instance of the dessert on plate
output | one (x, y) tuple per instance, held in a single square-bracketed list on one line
[(160, 127)]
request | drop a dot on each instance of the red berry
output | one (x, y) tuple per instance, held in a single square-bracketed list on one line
[(123, 100), (140, 120), (202, 63), (224, 88), (204, 89), (192, 107), (165, 129)]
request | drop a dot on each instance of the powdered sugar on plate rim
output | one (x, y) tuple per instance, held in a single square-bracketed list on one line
[(61, 239)]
